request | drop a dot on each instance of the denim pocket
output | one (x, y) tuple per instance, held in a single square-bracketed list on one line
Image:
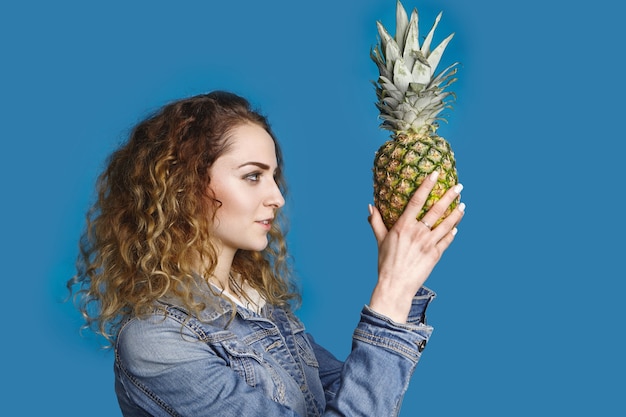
[(254, 369), (305, 350), (243, 360)]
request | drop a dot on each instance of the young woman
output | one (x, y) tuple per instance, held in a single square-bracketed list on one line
[(184, 269)]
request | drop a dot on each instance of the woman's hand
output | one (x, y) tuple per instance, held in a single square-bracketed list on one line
[(408, 252)]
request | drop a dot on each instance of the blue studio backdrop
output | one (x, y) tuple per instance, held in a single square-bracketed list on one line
[(529, 309)]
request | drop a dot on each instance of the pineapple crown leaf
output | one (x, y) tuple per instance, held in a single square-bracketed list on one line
[(402, 24), (411, 111), (401, 75), (409, 92), (422, 70), (429, 38), (377, 57), (444, 79), (411, 46), (405, 45), (437, 53)]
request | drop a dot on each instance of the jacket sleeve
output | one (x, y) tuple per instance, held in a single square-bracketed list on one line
[(376, 373)]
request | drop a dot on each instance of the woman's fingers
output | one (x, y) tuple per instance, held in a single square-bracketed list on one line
[(440, 207), (436, 212), (444, 233), (419, 198), (376, 222)]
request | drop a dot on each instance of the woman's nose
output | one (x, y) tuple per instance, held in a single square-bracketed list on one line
[(275, 199)]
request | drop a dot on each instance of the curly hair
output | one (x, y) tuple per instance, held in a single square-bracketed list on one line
[(151, 221)]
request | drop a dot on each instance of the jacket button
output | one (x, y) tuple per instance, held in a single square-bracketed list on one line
[(421, 346)]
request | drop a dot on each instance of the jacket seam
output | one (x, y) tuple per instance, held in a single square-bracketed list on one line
[(146, 391), (385, 342)]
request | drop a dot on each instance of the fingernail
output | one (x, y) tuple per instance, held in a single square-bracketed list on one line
[(370, 209), (454, 231), (458, 188), (462, 207), (434, 175)]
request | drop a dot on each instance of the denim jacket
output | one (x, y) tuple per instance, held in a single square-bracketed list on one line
[(174, 364)]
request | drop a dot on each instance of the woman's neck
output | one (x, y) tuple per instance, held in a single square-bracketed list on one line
[(222, 270)]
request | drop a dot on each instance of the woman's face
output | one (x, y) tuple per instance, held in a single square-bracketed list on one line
[(242, 179)]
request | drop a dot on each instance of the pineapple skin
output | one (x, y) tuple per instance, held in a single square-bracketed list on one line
[(400, 166)]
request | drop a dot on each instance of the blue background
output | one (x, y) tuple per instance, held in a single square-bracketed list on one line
[(529, 317)]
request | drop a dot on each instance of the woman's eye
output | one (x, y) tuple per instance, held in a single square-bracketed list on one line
[(253, 177)]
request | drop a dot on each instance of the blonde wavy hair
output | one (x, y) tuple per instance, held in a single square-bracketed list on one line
[(151, 221)]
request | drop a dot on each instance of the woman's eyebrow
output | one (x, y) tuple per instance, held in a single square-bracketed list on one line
[(258, 164)]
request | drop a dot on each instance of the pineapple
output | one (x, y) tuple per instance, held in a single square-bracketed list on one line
[(410, 98)]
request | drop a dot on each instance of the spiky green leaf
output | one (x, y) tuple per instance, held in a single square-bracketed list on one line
[(411, 44), (429, 38), (402, 23), (401, 75), (421, 71), (435, 56)]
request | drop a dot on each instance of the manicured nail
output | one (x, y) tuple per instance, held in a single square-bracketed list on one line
[(371, 209), (434, 175), (454, 231), (462, 207), (458, 188)]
